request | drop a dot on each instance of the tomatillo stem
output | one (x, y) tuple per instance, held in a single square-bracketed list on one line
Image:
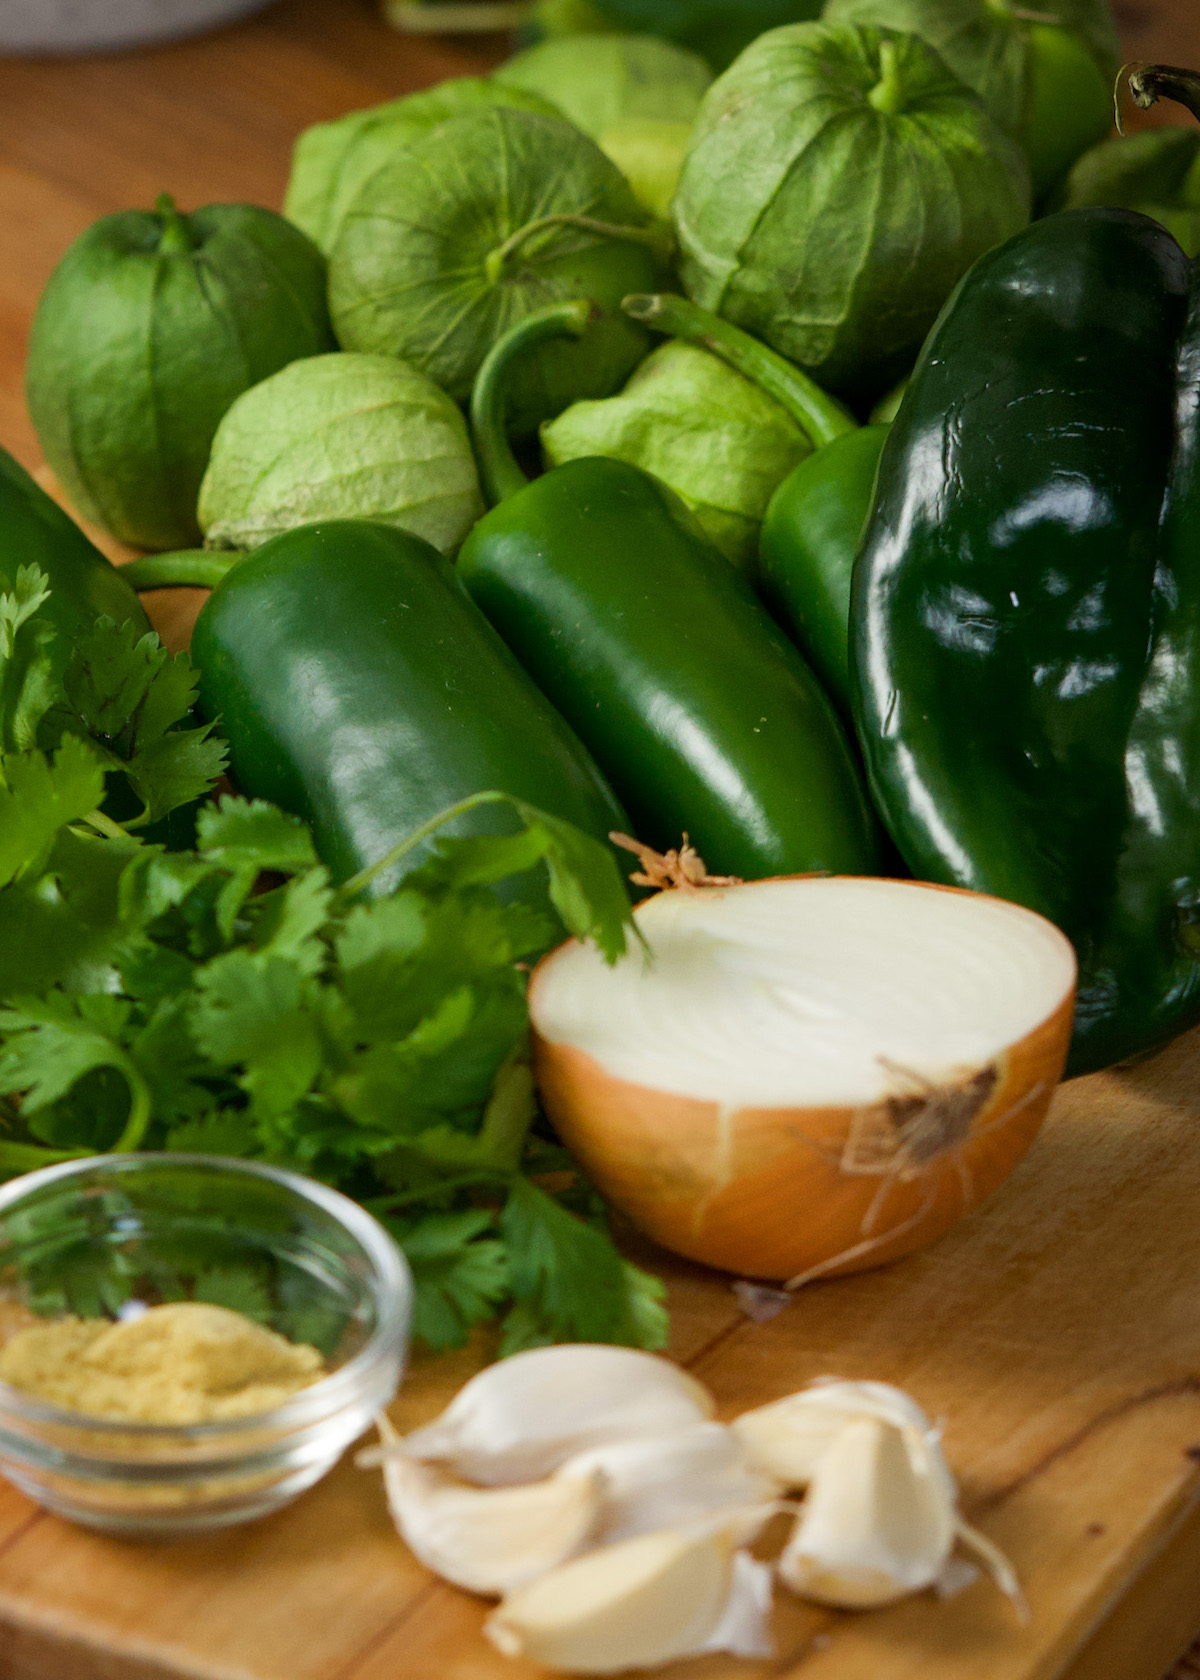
[(497, 261), (185, 568), (499, 472), (177, 236), (887, 96), (818, 414)]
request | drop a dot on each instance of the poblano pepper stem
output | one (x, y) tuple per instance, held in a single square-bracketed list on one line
[(1148, 83), (185, 568), (818, 414), (500, 474)]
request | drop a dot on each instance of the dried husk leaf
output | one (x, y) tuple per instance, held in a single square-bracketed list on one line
[(693, 1474)]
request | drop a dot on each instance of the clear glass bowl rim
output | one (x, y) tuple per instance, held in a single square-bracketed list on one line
[(392, 1288)]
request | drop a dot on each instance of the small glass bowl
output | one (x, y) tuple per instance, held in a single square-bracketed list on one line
[(111, 1235)]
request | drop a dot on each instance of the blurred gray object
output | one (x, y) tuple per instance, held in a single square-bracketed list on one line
[(76, 26)]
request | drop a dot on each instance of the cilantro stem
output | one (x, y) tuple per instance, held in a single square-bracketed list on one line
[(404, 1198), (356, 883), (106, 826), (141, 1106)]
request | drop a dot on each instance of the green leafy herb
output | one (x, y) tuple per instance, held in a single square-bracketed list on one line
[(231, 1000)]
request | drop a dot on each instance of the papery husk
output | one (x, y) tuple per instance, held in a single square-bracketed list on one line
[(521, 1419)]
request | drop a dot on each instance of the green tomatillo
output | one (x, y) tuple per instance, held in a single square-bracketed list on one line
[(637, 97), (150, 326), (1045, 73), (485, 219), (333, 160), (341, 437), (839, 182)]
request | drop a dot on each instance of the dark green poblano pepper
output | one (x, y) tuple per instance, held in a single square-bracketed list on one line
[(1026, 611)]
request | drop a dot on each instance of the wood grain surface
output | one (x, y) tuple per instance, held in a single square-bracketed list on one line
[(1056, 1333)]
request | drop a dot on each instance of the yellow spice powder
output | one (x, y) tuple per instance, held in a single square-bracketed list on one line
[(179, 1364)]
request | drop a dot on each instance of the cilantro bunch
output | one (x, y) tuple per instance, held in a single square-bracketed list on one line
[(227, 998)]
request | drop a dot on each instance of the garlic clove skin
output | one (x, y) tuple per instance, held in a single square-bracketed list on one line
[(744, 1629), (637, 1604), (490, 1540), (519, 1420), (878, 1523), (671, 1481), (786, 1439)]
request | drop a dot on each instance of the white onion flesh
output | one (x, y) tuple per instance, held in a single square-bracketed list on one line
[(813, 991)]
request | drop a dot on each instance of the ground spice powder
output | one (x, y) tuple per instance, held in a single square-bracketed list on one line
[(184, 1363)]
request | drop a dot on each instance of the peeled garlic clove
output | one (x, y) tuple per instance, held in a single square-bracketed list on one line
[(490, 1540), (878, 1523), (670, 1481), (633, 1605), (786, 1438), (519, 1420)]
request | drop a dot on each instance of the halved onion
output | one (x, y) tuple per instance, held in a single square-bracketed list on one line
[(805, 1077)]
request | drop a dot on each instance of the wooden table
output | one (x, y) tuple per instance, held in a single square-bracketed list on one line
[(1057, 1332)]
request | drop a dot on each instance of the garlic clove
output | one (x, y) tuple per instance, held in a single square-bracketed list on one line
[(633, 1605), (517, 1421), (786, 1438), (490, 1540), (670, 1481), (878, 1522)]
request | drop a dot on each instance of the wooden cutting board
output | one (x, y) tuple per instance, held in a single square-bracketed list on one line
[(1056, 1333)]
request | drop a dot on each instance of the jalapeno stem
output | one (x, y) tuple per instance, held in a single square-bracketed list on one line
[(818, 414), (499, 472), (185, 568), (497, 261), (1148, 83)]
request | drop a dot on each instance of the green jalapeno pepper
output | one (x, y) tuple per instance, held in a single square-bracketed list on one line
[(1026, 624), (699, 711), (815, 519), (358, 687)]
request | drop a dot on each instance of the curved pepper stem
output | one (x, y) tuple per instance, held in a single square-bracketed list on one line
[(186, 568), (817, 414), (499, 472), (1148, 83)]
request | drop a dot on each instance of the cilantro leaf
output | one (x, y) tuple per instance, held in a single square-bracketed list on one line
[(52, 1043), (251, 1012), (125, 693), (248, 837), (461, 1275), (38, 798), (64, 927), (568, 1280), (28, 685), (585, 884), (288, 922)]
